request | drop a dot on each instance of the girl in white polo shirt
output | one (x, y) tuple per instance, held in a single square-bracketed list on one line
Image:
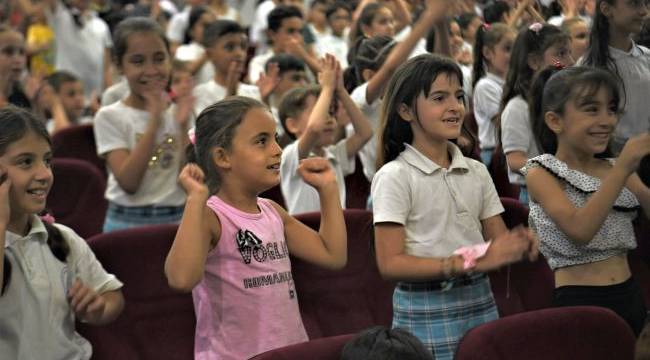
[(433, 210)]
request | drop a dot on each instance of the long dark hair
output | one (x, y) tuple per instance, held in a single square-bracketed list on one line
[(553, 88), (486, 36), (409, 81), (597, 53), (367, 53), (16, 123)]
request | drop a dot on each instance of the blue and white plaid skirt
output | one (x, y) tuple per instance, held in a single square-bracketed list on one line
[(120, 217), (440, 317)]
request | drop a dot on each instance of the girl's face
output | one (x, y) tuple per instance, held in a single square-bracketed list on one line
[(440, 113), (455, 38), (339, 20), (579, 39), (197, 29), (227, 49), (317, 15), (146, 64), (558, 53), (470, 32), (588, 122), (254, 157), (498, 57), (383, 24), (626, 15), (12, 55), (71, 94), (182, 83), (27, 162)]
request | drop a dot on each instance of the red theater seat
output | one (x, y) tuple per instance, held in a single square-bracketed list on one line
[(357, 188), (77, 196), (349, 300), (157, 323), (78, 142), (499, 171), (328, 348), (571, 333)]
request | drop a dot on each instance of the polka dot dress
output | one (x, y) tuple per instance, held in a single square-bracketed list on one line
[(616, 235)]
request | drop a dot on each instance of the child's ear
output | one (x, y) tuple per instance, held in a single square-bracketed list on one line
[(291, 124), (488, 53), (605, 8), (553, 121), (534, 62), (405, 112), (221, 158), (367, 74)]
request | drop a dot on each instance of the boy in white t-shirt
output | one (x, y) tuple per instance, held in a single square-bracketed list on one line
[(305, 115), (226, 44), (336, 42)]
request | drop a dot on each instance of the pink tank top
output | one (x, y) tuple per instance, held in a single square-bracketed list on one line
[(246, 303)]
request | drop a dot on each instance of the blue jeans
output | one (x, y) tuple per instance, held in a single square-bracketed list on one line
[(120, 217)]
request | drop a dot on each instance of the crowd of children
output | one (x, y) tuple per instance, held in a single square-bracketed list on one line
[(199, 106)]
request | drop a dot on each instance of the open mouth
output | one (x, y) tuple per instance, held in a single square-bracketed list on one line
[(39, 193), (275, 166), (452, 120)]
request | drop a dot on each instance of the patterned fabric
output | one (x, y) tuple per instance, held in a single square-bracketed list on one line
[(616, 235), (440, 318)]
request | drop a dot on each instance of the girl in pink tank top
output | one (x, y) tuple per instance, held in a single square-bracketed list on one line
[(232, 248)]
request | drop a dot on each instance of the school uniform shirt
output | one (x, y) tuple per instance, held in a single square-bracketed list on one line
[(517, 134), (80, 50), (210, 92), (36, 319), (298, 195), (440, 209), (115, 92), (368, 153), (178, 24), (334, 45), (246, 302), (192, 52), (260, 25), (634, 68), (420, 47), (257, 65), (119, 126), (487, 97)]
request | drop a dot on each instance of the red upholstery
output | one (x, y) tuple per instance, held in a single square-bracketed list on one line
[(642, 230), (157, 323), (78, 142), (499, 171), (77, 196), (641, 273), (328, 348), (523, 286), (357, 188), (573, 333), (349, 300)]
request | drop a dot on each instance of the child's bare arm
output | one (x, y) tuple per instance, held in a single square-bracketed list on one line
[(328, 247), (362, 127), (641, 191), (320, 113), (185, 263), (402, 15)]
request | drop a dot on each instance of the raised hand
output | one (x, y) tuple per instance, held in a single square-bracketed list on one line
[(634, 150), (295, 47), (317, 172), (268, 80), (192, 180), (510, 247), (156, 99), (184, 109), (86, 303), (235, 71), (330, 69)]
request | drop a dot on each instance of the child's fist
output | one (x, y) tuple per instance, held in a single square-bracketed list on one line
[(86, 303), (192, 180), (317, 172)]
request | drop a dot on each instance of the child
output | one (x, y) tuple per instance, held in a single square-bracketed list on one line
[(336, 43), (232, 248), (291, 73), (317, 20), (579, 32), (305, 116), (372, 62), (582, 206), (63, 98), (139, 135), (40, 44), (439, 295), (611, 47), (12, 65), (192, 51), (285, 32), (535, 48), (491, 58), (49, 277), (381, 343), (180, 91), (226, 44)]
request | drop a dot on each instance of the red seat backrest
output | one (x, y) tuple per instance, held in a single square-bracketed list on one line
[(157, 323), (499, 171), (572, 333), (328, 348), (357, 188), (349, 300), (77, 196), (78, 142)]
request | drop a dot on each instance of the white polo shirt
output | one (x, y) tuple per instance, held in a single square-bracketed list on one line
[(37, 321), (300, 197), (368, 153), (440, 209), (487, 97), (210, 92), (517, 134)]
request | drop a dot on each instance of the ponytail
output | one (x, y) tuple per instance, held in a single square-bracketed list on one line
[(478, 69)]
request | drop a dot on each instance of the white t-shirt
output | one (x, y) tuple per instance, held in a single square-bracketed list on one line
[(517, 134), (194, 51), (37, 319), (81, 50), (368, 153), (440, 209), (300, 197), (487, 98), (420, 47), (334, 45), (259, 27), (257, 64), (210, 92), (119, 126), (178, 24), (115, 92)]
